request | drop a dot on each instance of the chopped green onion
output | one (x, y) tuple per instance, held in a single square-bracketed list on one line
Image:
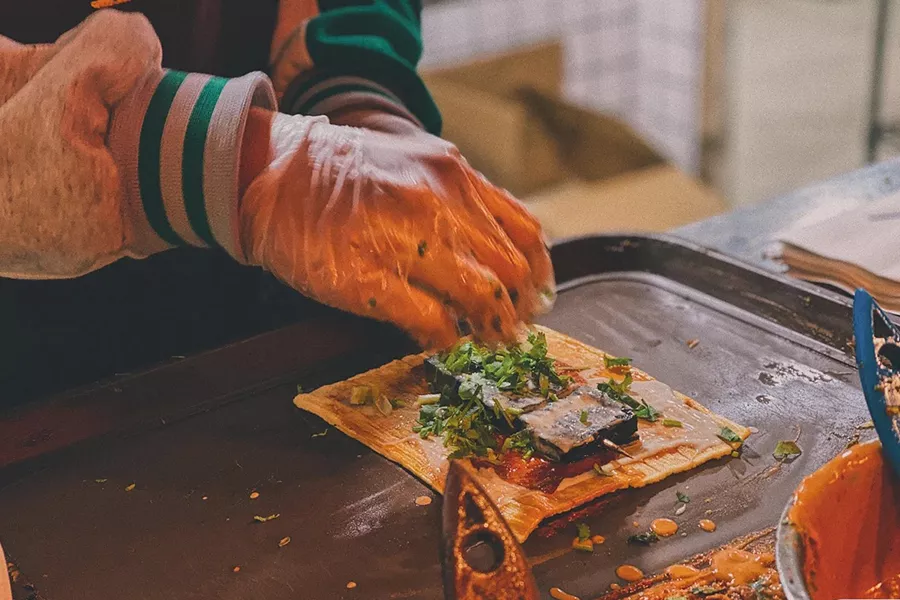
[(672, 423), (428, 399), (612, 361), (362, 394), (384, 405), (729, 436), (786, 450)]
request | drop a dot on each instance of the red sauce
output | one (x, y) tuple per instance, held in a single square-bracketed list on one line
[(848, 514), (541, 474)]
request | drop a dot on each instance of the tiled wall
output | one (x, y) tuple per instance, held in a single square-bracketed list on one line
[(638, 59)]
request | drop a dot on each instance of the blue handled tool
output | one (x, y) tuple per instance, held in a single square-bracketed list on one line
[(869, 322)]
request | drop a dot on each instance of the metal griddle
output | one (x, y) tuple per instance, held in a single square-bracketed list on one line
[(773, 354)]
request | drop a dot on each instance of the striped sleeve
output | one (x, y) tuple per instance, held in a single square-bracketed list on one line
[(177, 142), (333, 55)]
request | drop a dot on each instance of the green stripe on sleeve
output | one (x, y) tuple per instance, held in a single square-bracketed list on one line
[(149, 156), (193, 160)]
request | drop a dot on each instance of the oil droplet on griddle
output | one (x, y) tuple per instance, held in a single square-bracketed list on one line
[(629, 573), (707, 525), (681, 571), (561, 595), (351, 585), (664, 527)]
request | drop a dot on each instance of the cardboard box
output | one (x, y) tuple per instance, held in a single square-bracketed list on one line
[(578, 171), (653, 199), (484, 115)]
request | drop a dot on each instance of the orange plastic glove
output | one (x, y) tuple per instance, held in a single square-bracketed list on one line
[(5, 590), (395, 226)]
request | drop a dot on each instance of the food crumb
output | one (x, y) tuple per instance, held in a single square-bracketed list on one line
[(101, 480), (614, 586), (693, 343), (205, 498), (598, 539), (129, 487), (351, 585), (680, 510), (708, 512), (636, 524), (707, 525), (284, 541), (236, 569), (708, 500), (423, 500), (254, 495)]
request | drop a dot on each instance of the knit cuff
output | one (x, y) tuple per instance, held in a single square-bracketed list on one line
[(177, 142), (331, 95)]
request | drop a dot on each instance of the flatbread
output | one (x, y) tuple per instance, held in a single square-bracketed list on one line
[(662, 451)]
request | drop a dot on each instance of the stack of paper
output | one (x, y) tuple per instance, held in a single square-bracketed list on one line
[(856, 248)]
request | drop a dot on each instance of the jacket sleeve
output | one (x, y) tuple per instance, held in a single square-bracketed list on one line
[(330, 55)]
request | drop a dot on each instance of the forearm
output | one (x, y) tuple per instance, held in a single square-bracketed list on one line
[(330, 57)]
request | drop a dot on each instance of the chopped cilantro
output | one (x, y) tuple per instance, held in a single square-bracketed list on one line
[(520, 442), (785, 450), (619, 391), (612, 361), (647, 412), (467, 425), (682, 497), (672, 423), (583, 417), (584, 531), (645, 539), (729, 436), (513, 368), (299, 389)]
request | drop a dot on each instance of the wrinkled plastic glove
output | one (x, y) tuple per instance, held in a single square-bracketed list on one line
[(394, 225), (61, 212)]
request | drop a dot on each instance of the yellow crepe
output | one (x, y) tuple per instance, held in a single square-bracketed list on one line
[(661, 451)]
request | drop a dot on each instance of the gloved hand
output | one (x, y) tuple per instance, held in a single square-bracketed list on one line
[(61, 211), (395, 225), (5, 590)]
